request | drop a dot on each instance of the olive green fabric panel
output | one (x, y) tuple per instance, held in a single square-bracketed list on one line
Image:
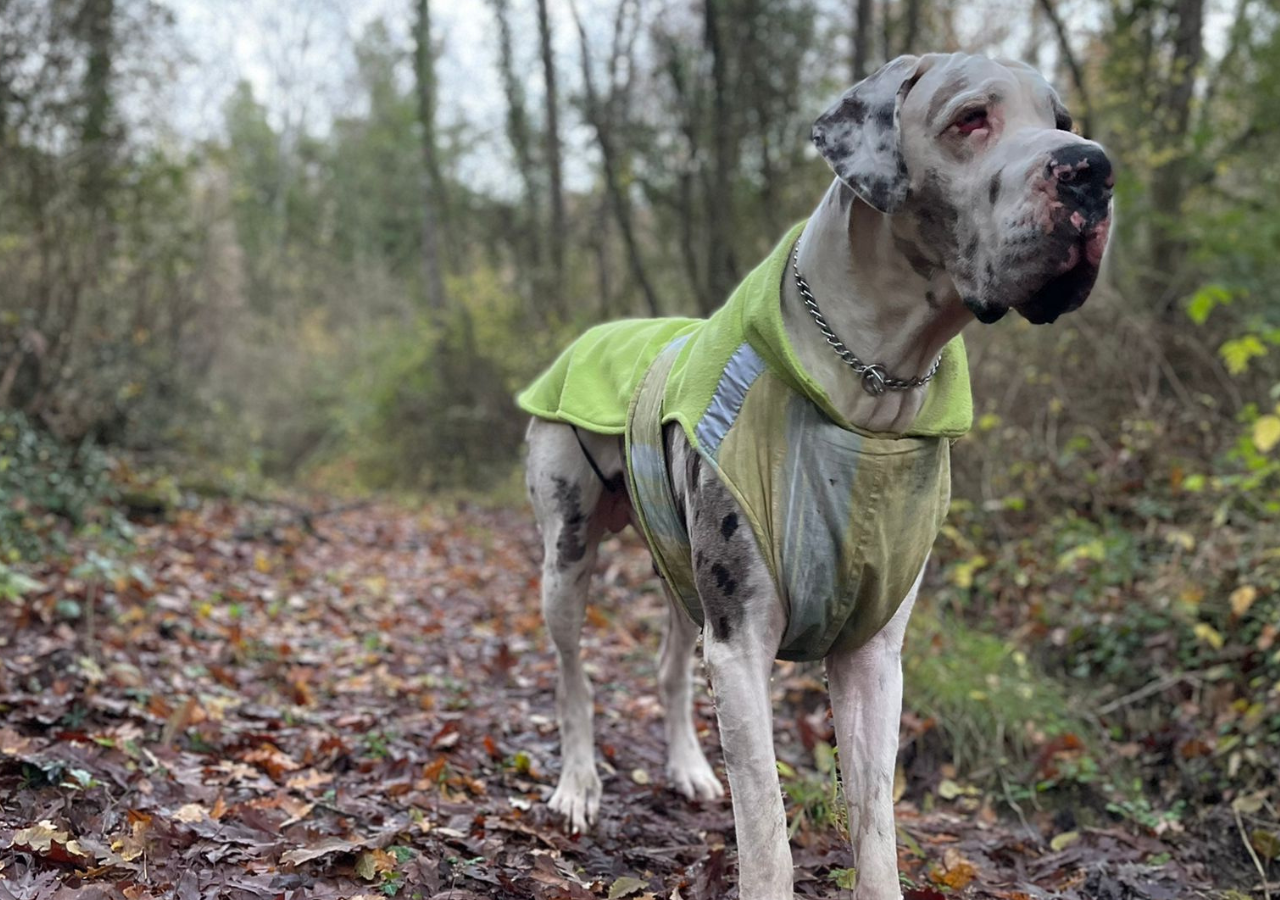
[(653, 501), (591, 383), (845, 521)]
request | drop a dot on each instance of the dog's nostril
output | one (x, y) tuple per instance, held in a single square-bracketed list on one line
[(1083, 170)]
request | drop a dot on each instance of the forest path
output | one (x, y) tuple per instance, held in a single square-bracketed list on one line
[(367, 709)]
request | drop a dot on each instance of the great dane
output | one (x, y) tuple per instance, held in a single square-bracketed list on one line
[(960, 193)]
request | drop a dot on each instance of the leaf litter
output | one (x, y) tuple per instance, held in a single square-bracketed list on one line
[(369, 712)]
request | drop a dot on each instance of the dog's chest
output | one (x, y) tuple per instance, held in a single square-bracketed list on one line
[(843, 521)]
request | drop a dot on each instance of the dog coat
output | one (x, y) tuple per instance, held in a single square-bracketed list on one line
[(844, 518)]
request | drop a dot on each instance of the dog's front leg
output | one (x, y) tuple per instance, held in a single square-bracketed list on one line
[(866, 703), (744, 627), (740, 667)]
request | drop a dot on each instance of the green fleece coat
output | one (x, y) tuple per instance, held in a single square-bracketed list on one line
[(843, 518)]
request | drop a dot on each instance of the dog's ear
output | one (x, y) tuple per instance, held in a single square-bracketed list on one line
[(1061, 115), (860, 137)]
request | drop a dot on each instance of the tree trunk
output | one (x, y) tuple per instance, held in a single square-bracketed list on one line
[(862, 25), (530, 231), (721, 275), (433, 218), (913, 13), (553, 154), (1084, 112), (609, 161), (99, 36), (1169, 181)]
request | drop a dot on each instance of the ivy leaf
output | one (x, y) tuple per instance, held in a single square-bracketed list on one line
[(846, 879), (1204, 301), (1209, 635), (1237, 353)]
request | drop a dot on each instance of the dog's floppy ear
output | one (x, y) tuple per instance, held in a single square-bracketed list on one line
[(860, 137), (1061, 115)]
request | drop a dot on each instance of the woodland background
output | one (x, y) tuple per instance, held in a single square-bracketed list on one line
[(307, 293)]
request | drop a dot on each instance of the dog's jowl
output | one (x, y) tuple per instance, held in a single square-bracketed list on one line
[(788, 458)]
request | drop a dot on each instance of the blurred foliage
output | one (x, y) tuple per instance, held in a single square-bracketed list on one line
[(49, 489)]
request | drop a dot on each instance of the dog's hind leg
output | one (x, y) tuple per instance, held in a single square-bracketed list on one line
[(565, 492), (687, 768), (866, 705)]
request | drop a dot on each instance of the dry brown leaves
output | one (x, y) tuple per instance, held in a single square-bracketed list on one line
[(373, 715)]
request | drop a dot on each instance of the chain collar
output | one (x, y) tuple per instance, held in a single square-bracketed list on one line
[(875, 378)]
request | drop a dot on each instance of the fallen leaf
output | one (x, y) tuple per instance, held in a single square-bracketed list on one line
[(1062, 841), (12, 743), (191, 812), (39, 837), (1267, 843), (271, 759), (957, 871), (322, 847), (1250, 804), (626, 886), (308, 779)]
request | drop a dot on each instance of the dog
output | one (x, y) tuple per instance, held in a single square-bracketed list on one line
[(960, 193)]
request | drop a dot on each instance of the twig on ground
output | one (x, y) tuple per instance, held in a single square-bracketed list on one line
[(1017, 808), (1154, 687), (1253, 854)]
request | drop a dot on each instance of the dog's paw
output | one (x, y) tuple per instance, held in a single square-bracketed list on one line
[(577, 798), (694, 778)]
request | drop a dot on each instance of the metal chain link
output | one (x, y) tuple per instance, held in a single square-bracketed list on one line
[(875, 379)]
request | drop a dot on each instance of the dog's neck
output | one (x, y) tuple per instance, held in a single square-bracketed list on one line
[(859, 265)]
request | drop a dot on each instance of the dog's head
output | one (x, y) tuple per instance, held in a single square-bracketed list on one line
[(978, 157)]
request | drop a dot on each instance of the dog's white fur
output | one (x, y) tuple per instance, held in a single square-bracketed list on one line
[(872, 272)]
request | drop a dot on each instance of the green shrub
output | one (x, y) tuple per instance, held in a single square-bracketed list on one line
[(49, 489)]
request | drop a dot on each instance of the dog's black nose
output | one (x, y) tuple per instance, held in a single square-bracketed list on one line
[(1084, 177)]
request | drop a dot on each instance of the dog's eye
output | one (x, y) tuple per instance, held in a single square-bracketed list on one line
[(973, 120)]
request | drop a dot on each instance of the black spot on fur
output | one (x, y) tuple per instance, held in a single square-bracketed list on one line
[(722, 550), (884, 115), (722, 627), (853, 109), (692, 470), (932, 299), (945, 95), (729, 525), (993, 192), (915, 256), (724, 579), (571, 544)]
